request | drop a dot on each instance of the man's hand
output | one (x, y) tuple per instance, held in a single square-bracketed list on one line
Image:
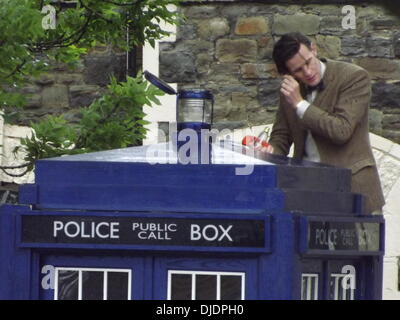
[(269, 149), (290, 89)]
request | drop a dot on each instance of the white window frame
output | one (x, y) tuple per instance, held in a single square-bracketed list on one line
[(105, 279), (337, 279), (309, 277), (218, 274)]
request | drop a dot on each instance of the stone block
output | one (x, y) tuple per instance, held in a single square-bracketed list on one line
[(380, 68), (177, 66), (34, 101), (268, 93), (328, 46), (212, 29), (201, 12), (306, 23), (379, 47), (375, 121), (229, 125), (258, 115), (70, 78), (391, 121), (232, 11), (100, 67), (203, 62), (384, 24), (279, 9), (351, 45), (396, 44), (251, 26), (238, 107), (31, 89), (193, 47), (331, 25), (221, 106), (83, 95), (243, 50), (55, 97), (259, 71), (224, 72), (45, 79), (370, 11), (385, 96), (265, 48), (186, 31)]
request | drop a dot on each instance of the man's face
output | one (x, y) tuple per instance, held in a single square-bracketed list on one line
[(305, 66)]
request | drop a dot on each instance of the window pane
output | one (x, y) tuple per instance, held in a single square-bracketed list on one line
[(181, 287), (92, 285), (341, 287), (206, 287), (309, 287), (117, 285), (68, 285), (231, 287)]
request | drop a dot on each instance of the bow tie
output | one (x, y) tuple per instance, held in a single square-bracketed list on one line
[(319, 87)]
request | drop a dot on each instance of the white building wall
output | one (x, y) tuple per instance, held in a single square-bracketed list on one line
[(165, 112)]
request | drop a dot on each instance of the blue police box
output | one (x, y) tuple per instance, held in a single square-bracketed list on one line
[(136, 223)]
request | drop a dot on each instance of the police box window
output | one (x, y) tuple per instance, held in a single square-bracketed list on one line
[(309, 286), (92, 284), (342, 286), (205, 285)]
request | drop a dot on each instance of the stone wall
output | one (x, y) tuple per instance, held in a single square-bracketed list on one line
[(64, 90), (226, 46)]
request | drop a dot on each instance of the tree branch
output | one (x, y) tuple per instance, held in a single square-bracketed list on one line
[(94, 12), (17, 69), (60, 43)]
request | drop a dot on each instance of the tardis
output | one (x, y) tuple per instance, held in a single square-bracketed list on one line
[(137, 223)]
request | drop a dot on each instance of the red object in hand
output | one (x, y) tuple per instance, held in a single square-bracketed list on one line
[(252, 141)]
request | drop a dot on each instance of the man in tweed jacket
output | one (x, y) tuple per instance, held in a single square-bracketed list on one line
[(324, 112)]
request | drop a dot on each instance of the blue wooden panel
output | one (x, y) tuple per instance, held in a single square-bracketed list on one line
[(125, 173), (190, 198), (15, 265), (277, 271), (28, 194)]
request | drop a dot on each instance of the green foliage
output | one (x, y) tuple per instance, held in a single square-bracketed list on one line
[(27, 49), (113, 121)]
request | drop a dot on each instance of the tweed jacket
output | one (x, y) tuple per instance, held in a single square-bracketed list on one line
[(338, 121)]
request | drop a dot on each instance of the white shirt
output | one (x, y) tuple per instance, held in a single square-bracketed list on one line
[(311, 149)]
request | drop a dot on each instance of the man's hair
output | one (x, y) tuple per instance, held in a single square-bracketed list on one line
[(286, 47)]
